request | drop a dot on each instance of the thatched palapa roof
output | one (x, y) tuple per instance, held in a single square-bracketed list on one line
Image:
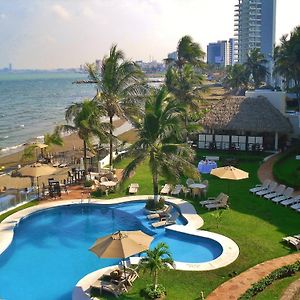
[(248, 114)]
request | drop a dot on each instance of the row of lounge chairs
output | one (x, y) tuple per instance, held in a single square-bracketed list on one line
[(221, 201), (278, 193), (293, 240), (165, 218)]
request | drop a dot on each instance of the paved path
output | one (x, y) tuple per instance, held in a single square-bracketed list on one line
[(235, 287)]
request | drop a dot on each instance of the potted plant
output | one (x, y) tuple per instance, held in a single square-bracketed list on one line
[(156, 260)]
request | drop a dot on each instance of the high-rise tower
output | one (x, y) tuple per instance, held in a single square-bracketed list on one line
[(254, 27)]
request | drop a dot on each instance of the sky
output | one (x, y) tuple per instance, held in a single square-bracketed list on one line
[(47, 34)]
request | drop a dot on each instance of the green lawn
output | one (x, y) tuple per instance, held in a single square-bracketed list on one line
[(255, 224), (275, 291)]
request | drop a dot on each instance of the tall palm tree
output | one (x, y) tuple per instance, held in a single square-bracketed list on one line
[(85, 119), (120, 86), (156, 260), (236, 78), (256, 66), (159, 132)]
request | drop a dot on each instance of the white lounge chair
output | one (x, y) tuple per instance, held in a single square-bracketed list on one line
[(133, 188), (291, 201), (270, 189), (177, 190), (293, 240), (260, 187), (222, 204), (278, 192), (212, 200), (287, 194), (169, 220), (166, 189), (296, 206), (161, 214)]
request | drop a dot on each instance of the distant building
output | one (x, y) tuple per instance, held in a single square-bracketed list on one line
[(173, 55), (221, 53), (151, 67), (10, 67), (255, 28)]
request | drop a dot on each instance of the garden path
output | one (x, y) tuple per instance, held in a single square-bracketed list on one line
[(235, 287)]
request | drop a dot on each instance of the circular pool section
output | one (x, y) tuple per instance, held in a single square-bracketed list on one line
[(49, 252)]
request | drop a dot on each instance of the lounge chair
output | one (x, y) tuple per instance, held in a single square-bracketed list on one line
[(287, 194), (133, 188), (169, 220), (115, 287), (291, 201), (270, 189), (160, 215), (221, 204), (278, 192), (296, 206), (166, 189), (293, 240), (260, 187), (130, 276), (177, 190), (212, 200)]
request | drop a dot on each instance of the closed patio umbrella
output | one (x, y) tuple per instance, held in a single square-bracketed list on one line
[(121, 244)]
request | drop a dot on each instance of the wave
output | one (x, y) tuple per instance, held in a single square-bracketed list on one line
[(4, 137), (11, 149)]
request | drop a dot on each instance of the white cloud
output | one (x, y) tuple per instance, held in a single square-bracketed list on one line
[(88, 12), (61, 12), (2, 16)]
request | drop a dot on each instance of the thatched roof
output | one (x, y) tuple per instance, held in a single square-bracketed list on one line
[(248, 114)]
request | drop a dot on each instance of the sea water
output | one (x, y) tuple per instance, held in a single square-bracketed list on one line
[(33, 103)]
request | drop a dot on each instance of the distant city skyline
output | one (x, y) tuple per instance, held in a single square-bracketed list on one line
[(65, 34)]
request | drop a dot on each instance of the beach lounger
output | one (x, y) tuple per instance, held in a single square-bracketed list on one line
[(115, 287), (212, 200), (161, 214), (222, 204), (293, 240), (296, 206), (291, 201), (260, 187), (169, 220), (166, 189), (270, 189), (287, 194), (177, 190), (278, 192), (133, 188)]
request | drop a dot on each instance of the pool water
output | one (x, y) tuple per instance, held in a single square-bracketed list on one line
[(49, 253)]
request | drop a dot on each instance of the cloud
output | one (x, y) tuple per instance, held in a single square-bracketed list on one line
[(61, 12), (2, 16), (88, 12)]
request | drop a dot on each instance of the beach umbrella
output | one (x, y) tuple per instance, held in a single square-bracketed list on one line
[(36, 170), (121, 244), (229, 172)]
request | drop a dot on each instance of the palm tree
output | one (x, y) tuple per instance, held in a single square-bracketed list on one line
[(236, 78), (256, 66), (120, 86), (159, 131), (156, 260), (85, 118)]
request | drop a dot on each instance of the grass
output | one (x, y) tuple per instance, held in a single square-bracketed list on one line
[(275, 291), (255, 224)]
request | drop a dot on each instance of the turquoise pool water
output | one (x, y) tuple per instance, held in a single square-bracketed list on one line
[(49, 253)]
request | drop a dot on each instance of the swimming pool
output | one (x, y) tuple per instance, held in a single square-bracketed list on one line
[(49, 252)]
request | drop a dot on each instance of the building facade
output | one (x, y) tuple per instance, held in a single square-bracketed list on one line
[(255, 28), (220, 53)]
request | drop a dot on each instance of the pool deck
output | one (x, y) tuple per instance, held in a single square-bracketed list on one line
[(194, 221)]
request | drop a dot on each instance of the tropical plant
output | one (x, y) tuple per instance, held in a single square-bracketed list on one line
[(236, 78), (287, 60), (256, 67), (155, 261), (158, 134), (85, 119), (120, 87)]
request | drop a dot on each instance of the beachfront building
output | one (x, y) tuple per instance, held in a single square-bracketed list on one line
[(254, 24), (221, 53), (246, 124)]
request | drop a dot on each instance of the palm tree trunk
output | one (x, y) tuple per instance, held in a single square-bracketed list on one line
[(155, 279), (154, 176), (84, 158), (111, 141)]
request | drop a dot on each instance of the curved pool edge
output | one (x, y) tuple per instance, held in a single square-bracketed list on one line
[(8, 224)]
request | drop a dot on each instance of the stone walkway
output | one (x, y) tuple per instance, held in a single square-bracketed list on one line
[(235, 287)]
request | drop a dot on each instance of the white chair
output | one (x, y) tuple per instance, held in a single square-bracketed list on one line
[(287, 194), (291, 201), (278, 192), (270, 189), (260, 187)]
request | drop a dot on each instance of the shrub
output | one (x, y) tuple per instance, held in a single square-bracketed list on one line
[(151, 293), (280, 273), (155, 205), (88, 183)]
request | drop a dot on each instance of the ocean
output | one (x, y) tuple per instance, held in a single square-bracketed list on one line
[(33, 103)]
